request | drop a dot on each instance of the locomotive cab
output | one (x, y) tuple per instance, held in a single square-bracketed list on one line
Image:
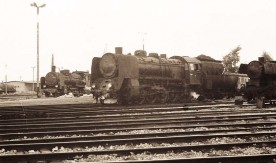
[(192, 71), (192, 76)]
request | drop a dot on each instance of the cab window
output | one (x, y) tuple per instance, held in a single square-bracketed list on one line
[(192, 67), (197, 67)]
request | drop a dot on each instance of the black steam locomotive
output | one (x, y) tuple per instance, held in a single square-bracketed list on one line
[(59, 83), (142, 78), (262, 83)]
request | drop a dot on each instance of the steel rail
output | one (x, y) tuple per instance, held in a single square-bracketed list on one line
[(70, 155), (89, 105), (97, 110), (249, 126), (133, 141), (139, 114), (123, 124), (123, 136), (29, 112), (262, 158), (189, 119)]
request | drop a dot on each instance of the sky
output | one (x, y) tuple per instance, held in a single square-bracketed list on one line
[(75, 31)]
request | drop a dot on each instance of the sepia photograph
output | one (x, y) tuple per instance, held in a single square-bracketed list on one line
[(146, 81)]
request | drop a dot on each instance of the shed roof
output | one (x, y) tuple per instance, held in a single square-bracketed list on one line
[(191, 60)]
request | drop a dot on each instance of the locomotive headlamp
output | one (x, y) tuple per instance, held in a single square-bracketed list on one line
[(109, 85)]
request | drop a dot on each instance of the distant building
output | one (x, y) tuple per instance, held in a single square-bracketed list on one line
[(23, 86)]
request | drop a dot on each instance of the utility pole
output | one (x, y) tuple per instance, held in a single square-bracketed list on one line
[(33, 76), (143, 35), (6, 80), (37, 10)]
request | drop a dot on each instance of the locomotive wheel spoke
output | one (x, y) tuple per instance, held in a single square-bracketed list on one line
[(163, 97), (151, 98), (172, 97), (142, 98), (130, 102), (180, 97), (128, 99), (176, 98)]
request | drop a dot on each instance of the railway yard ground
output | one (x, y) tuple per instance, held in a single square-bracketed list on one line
[(75, 129), (31, 99)]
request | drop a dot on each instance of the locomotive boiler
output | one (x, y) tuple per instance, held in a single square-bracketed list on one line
[(142, 78), (63, 82), (262, 84)]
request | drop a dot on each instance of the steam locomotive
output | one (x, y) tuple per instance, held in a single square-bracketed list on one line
[(142, 78), (59, 83), (262, 83)]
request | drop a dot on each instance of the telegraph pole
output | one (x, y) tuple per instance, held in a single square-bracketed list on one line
[(6, 80), (33, 76), (143, 35)]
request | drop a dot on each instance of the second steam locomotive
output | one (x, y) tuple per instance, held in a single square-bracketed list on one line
[(261, 86), (63, 82), (142, 78)]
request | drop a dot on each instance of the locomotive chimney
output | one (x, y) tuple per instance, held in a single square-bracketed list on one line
[(119, 50), (53, 67), (262, 59)]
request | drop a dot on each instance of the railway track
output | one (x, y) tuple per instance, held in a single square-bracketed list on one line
[(48, 110), (213, 133)]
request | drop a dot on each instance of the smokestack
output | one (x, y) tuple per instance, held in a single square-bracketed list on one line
[(53, 67), (262, 59), (119, 50)]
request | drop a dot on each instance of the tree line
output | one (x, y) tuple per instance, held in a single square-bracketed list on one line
[(231, 60)]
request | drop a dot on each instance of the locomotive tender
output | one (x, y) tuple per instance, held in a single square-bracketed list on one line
[(63, 82), (142, 78), (262, 83)]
